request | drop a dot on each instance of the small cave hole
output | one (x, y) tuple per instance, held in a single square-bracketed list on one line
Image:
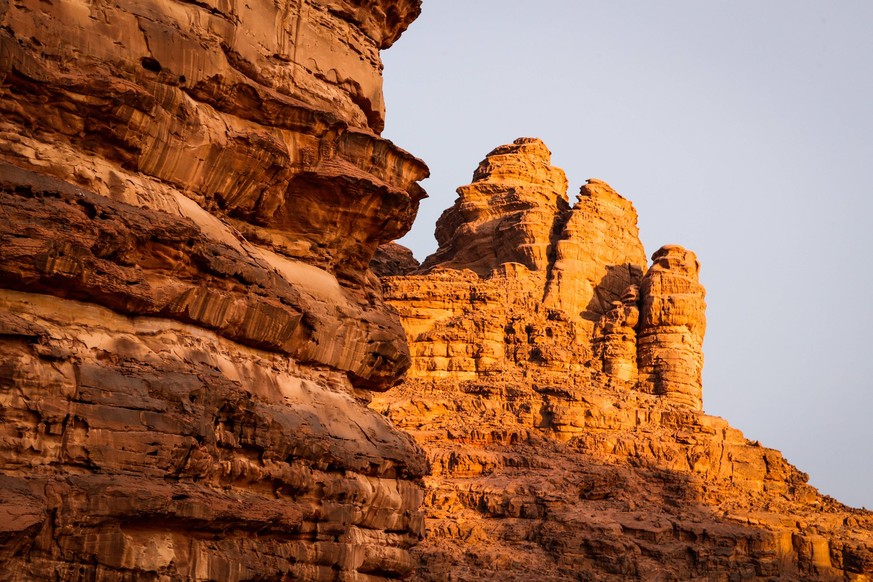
[(182, 79), (89, 209), (150, 64)]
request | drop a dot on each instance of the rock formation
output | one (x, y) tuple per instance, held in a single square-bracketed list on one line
[(509, 214), (556, 388), (615, 338), (190, 195), (519, 276), (393, 259), (672, 327), (597, 255)]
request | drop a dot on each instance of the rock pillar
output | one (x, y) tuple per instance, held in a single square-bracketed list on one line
[(673, 322), (598, 254)]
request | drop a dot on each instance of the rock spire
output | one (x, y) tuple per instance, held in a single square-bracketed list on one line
[(508, 214), (521, 280), (670, 352)]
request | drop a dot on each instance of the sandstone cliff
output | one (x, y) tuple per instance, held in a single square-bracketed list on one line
[(190, 197), (191, 194), (556, 387)]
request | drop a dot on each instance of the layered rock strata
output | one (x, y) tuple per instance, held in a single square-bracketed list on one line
[(560, 405), (614, 341), (518, 266), (597, 255), (670, 351), (191, 194), (508, 214)]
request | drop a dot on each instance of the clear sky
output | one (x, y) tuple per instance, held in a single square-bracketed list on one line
[(740, 129)]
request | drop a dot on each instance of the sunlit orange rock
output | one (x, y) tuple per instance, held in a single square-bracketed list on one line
[(558, 396), (673, 322), (598, 254), (508, 214)]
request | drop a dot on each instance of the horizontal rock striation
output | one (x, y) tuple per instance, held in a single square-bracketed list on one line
[(673, 323), (264, 114), (144, 448), (191, 193), (556, 388)]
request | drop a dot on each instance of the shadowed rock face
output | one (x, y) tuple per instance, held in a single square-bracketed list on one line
[(556, 387), (190, 194)]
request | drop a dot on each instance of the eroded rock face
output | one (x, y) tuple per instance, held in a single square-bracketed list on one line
[(615, 338), (135, 448), (393, 259), (264, 114), (559, 400), (597, 255), (673, 323), (508, 214), (191, 194)]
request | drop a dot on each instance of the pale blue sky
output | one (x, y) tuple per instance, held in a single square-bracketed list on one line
[(740, 129)]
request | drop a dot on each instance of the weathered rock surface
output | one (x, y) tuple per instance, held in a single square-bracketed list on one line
[(598, 254), (557, 392), (140, 448), (673, 323), (393, 259), (190, 195), (508, 214)]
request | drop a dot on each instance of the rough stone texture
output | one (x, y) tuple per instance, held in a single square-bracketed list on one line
[(597, 255), (393, 259), (520, 278), (560, 407), (262, 113), (190, 195), (615, 338), (144, 448), (672, 327), (508, 214)]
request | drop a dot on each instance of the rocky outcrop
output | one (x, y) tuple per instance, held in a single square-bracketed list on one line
[(519, 277), (597, 255), (672, 327), (191, 194), (265, 114), (393, 259), (508, 214), (135, 448), (558, 396)]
